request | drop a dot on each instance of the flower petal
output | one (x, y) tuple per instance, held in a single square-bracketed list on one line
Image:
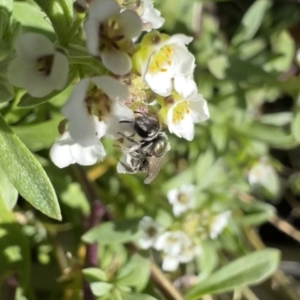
[(37, 85), (185, 86), (151, 15), (17, 71), (83, 127), (76, 98), (60, 71), (119, 112), (170, 263), (145, 243), (116, 61), (30, 46), (183, 128), (103, 9), (179, 39), (199, 109), (172, 196), (131, 24), (66, 151), (179, 208), (91, 28), (111, 87), (87, 156), (219, 223), (159, 83), (183, 61), (60, 151)]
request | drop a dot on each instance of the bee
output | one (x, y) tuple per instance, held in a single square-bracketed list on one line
[(146, 154), (146, 126)]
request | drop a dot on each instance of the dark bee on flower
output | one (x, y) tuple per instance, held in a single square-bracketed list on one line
[(147, 153)]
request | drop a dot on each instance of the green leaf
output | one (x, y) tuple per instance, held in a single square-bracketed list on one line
[(30, 15), (100, 288), (135, 273), (219, 136), (217, 66), (121, 231), (4, 21), (14, 254), (137, 297), (26, 173), (183, 177), (283, 44), (94, 274), (74, 197), (7, 4), (295, 127), (8, 192), (255, 219), (277, 119), (38, 136), (208, 260), (241, 71), (6, 90), (274, 136), (251, 21), (247, 270)]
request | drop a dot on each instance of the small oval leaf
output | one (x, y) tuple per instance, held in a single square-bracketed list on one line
[(8, 192), (247, 270), (113, 232), (26, 173)]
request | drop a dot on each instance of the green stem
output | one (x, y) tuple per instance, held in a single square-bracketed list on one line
[(76, 25)]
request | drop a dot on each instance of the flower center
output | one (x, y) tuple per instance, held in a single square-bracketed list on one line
[(161, 61), (44, 64), (171, 240), (97, 102), (111, 35), (182, 198), (180, 110), (151, 231)]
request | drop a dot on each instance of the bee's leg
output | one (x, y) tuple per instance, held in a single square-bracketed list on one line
[(138, 112), (127, 121), (127, 168), (129, 138)]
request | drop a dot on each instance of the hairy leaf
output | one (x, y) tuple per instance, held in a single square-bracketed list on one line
[(26, 173)]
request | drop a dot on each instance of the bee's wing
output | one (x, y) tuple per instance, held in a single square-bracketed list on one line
[(154, 166)]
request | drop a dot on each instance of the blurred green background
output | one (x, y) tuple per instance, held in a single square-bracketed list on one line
[(248, 71)]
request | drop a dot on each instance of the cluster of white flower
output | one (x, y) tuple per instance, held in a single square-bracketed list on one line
[(178, 246), (158, 70)]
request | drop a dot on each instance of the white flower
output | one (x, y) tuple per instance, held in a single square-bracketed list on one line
[(166, 64), (95, 99), (219, 222), (66, 151), (119, 112), (264, 175), (177, 248), (109, 33), (150, 231), (38, 68), (150, 16), (181, 114), (182, 199)]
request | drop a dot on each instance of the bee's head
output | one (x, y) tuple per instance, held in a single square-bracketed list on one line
[(147, 126)]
